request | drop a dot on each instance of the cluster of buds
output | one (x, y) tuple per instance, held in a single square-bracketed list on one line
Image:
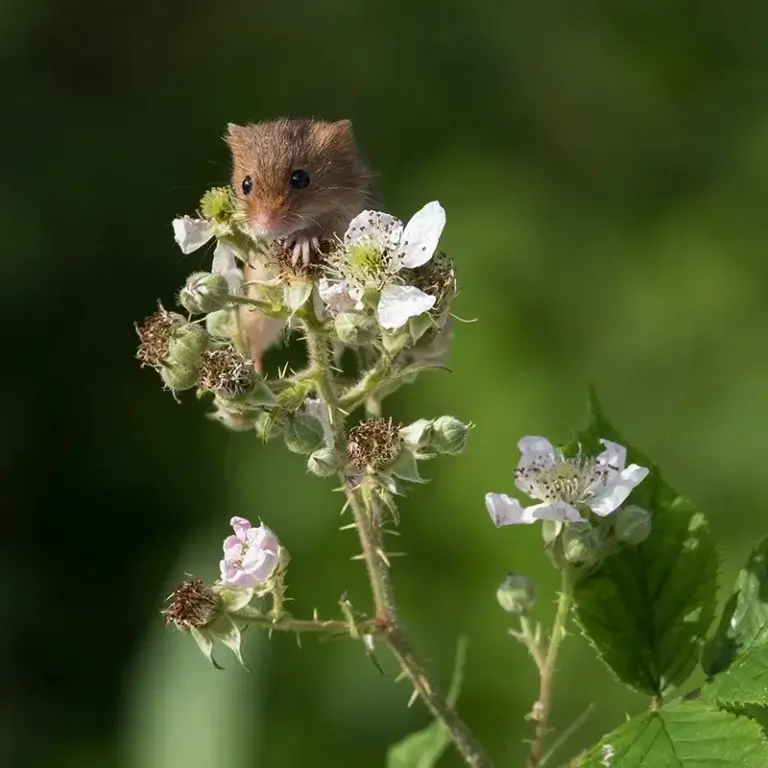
[(253, 566), (383, 291)]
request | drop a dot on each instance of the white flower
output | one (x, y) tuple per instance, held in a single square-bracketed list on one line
[(601, 482), (338, 297), (250, 555), (191, 234), (225, 264), (377, 248)]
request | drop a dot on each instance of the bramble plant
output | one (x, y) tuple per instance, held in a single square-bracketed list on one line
[(637, 564)]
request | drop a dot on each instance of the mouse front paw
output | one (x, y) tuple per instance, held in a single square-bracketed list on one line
[(301, 244)]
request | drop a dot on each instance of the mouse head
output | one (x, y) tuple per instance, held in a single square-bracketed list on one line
[(290, 175)]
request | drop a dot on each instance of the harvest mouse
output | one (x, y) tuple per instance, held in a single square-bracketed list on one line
[(299, 180)]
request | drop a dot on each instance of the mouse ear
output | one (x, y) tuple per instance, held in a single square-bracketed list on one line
[(343, 128), (233, 132)]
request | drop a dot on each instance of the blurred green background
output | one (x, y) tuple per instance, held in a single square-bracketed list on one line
[(604, 167)]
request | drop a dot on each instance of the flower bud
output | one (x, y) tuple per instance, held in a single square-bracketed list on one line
[(187, 344), (355, 329), (419, 435), (324, 462), (177, 377), (450, 435), (580, 543), (204, 292), (303, 434), (632, 524), (516, 594), (222, 324)]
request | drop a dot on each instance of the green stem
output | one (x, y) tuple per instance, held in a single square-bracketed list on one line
[(543, 706), (288, 624), (367, 521), (368, 526)]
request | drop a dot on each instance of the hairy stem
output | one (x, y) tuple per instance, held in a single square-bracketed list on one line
[(367, 521), (288, 624), (543, 705)]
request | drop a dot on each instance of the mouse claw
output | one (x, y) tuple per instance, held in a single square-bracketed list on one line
[(302, 249)]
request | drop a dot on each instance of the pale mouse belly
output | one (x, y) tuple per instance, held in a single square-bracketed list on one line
[(261, 331)]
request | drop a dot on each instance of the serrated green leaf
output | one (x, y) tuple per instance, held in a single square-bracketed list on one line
[(424, 748), (744, 623), (744, 682), (682, 735), (647, 609)]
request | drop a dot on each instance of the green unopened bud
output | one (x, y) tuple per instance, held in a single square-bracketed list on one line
[(222, 324), (632, 524), (303, 434), (580, 543), (178, 377), (218, 205), (324, 462), (419, 435), (355, 329), (516, 594), (187, 344), (204, 292), (450, 435)]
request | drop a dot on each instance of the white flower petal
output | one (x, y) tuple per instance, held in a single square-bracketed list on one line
[(614, 455), (533, 445), (614, 494), (505, 510), (338, 297), (374, 227), (225, 264), (398, 303), (421, 235), (190, 234)]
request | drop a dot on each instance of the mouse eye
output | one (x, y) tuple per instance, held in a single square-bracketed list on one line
[(247, 185), (299, 179)]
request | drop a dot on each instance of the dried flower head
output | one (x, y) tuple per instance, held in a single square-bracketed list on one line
[(436, 278), (155, 335), (374, 443), (226, 372), (192, 604), (281, 256)]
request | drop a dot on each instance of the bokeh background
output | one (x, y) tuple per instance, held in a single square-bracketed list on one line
[(604, 167)]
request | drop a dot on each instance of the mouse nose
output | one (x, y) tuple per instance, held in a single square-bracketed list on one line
[(268, 221)]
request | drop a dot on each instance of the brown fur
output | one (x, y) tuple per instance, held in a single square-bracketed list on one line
[(341, 186)]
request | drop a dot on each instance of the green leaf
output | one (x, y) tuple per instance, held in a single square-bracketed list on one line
[(424, 748), (647, 608), (737, 655), (744, 623), (744, 682), (682, 735)]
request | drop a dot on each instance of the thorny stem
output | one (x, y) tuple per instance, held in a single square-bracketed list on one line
[(543, 705), (288, 624), (367, 522)]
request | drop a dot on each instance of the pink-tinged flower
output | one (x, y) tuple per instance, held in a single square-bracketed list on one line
[(250, 555), (601, 482)]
